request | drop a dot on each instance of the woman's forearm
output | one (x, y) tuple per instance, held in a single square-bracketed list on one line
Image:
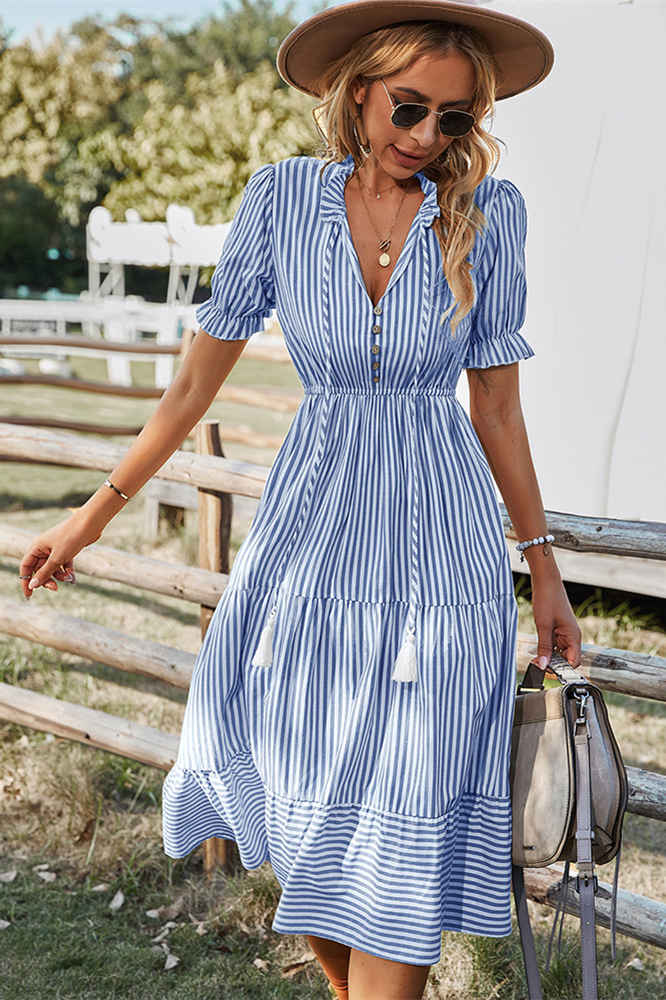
[(184, 403), (503, 437)]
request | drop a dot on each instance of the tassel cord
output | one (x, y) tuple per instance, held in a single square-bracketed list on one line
[(405, 666)]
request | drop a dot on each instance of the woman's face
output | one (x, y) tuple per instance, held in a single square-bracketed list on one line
[(439, 81)]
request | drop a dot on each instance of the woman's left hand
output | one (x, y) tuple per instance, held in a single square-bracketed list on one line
[(555, 621)]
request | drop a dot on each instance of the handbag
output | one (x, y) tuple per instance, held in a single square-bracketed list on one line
[(569, 793)]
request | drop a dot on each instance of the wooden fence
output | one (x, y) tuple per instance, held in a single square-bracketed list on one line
[(214, 479)]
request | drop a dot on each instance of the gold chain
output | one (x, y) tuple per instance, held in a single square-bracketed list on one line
[(384, 244)]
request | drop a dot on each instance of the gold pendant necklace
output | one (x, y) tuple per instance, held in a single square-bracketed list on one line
[(383, 244)]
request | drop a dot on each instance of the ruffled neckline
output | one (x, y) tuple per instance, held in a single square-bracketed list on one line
[(333, 206)]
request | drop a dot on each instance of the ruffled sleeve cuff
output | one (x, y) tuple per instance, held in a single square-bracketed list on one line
[(214, 321), (502, 350)]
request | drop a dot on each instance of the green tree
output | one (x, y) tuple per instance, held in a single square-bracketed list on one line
[(51, 99), (30, 226), (202, 151), (132, 112)]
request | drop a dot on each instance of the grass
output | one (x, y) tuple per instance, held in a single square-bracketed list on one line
[(95, 818), (67, 942)]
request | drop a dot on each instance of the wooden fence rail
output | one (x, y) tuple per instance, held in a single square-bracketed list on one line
[(92, 345), (269, 399), (257, 349), (191, 583)]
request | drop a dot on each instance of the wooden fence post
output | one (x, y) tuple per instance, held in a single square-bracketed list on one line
[(215, 510)]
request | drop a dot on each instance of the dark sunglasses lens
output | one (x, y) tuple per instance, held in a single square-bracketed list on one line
[(455, 123), (408, 115), (451, 123)]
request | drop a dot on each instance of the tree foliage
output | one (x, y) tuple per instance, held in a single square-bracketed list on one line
[(201, 152), (30, 225), (132, 113)]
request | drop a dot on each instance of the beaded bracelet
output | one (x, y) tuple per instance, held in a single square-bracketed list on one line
[(107, 482), (533, 541)]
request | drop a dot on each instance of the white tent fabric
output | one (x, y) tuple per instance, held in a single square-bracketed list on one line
[(586, 147)]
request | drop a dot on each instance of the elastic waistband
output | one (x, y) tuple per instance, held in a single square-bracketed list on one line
[(337, 390)]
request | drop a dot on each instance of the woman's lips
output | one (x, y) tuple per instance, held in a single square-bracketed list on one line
[(405, 157)]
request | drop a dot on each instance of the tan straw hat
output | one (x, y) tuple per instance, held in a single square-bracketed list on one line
[(523, 53)]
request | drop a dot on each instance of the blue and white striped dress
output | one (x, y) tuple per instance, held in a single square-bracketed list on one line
[(383, 805)]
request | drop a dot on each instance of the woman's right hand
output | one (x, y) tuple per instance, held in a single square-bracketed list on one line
[(50, 556)]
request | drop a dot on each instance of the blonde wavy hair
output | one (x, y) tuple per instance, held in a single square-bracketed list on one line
[(462, 165)]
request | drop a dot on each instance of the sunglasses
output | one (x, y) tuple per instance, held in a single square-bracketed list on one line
[(451, 122)]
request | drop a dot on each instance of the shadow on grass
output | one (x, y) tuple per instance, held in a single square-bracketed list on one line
[(16, 501), (18, 664)]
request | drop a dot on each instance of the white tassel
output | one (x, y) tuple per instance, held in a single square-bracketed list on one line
[(404, 668), (263, 656)]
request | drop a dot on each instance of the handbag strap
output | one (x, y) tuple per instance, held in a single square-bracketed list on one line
[(584, 837), (568, 675), (563, 886), (565, 673), (526, 936), (613, 919), (559, 912)]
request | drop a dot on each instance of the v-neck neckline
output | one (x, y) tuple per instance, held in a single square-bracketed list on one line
[(357, 259), (333, 207)]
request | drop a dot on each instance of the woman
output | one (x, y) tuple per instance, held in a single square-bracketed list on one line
[(350, 710)]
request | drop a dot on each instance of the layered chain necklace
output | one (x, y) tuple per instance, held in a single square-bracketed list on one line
[(384, 244)]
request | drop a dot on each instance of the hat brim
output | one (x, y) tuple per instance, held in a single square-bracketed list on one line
[(524, 55)]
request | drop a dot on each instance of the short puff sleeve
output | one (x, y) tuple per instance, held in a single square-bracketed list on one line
[(242, 286), (499, 311)]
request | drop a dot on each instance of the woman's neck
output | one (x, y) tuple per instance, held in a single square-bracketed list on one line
[(376, 181)]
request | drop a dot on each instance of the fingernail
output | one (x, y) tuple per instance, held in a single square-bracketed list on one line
[(32, 583), (543, 662)]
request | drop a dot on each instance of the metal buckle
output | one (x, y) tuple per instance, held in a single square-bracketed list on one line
[(581, 695), (595, 882)]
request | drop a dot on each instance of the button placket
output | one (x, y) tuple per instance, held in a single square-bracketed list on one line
[(377, 310)]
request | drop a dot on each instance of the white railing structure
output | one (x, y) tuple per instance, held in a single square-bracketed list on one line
[(192, 247), (119, 319), (105, 311), (179, 244), (111, 245)]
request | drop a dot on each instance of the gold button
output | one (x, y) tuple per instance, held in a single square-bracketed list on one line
[(375, 378), (376, 329), (375, 348), (375, 364), (378, 310)]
